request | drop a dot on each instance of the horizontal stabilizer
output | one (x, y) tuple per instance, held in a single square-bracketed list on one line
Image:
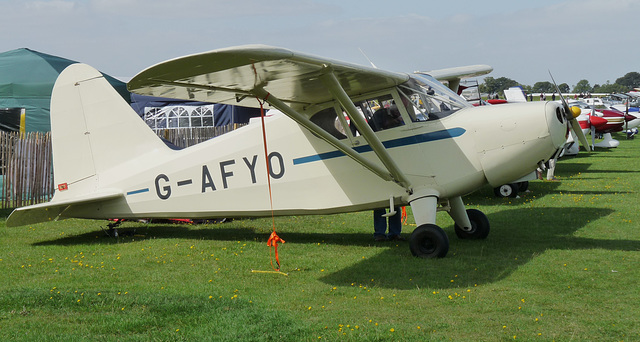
[(51, 211)]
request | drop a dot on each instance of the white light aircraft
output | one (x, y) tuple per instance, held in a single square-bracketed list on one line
[(423, 146)]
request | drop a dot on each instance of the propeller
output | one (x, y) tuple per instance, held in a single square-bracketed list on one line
[(571, 115), (626, 122)]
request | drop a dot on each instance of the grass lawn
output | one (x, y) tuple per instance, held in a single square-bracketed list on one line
[(561, 263)]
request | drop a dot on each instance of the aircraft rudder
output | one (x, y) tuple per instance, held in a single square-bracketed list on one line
[(93, 129)]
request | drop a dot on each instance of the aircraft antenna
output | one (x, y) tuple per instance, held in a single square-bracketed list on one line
[(365, 56)]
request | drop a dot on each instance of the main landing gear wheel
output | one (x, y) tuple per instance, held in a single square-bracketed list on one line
[(523, 186), (479, 226), (429, 241), (507, 190)]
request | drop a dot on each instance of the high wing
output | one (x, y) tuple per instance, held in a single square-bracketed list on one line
[(290, 81), (453, 75), (231, 75)]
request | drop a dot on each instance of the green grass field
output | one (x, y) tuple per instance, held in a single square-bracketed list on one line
[(561, 264)]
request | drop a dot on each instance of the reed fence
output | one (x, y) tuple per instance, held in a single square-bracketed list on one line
[(26, 168), (26, 165)]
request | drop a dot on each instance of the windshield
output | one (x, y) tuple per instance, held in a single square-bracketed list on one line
[(431, 99)]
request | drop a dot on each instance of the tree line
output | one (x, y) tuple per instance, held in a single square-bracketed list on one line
[(622, 85)]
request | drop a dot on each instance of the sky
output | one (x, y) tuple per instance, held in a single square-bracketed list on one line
[(522, 40)]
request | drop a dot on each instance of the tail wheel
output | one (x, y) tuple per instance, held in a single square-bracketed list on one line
[(479, 226), (429, 241)]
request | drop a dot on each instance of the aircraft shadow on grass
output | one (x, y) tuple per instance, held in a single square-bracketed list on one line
[(517, 236)]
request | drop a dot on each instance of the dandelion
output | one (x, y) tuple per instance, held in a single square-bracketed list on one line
[(392, 329)]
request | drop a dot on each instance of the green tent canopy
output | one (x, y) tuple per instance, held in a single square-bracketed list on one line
[(26, 81)]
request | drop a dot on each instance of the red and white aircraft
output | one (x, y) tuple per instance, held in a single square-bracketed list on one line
[(599, 121)]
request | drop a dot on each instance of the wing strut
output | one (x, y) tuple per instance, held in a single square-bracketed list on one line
[(336, 90), (333, 141)]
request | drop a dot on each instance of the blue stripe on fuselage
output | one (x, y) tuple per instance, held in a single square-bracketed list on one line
[(135, 192), (406, 141)]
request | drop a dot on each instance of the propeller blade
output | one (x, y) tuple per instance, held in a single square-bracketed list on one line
[(567, 111), (626, 122), (575, 127), (571, 117)]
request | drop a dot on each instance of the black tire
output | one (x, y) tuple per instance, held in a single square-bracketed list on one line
[(506, 190), (429, 241), (523, 186), (480, 226)]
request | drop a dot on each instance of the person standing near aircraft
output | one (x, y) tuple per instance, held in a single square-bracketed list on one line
[(380, 225)]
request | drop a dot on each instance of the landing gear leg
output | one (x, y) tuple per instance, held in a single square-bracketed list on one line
[(427, 240), (469, 224)]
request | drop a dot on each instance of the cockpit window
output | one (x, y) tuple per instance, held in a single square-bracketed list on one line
[(328, 120), (421, 98), (381, 112), (430, 99)]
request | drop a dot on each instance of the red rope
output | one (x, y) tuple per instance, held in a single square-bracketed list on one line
[(403, 218), (274, 238)]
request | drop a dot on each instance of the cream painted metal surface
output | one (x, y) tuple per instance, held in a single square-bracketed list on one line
[(324, 155)]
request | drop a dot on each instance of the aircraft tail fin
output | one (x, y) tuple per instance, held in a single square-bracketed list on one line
[(96, 136), (93, 130)]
